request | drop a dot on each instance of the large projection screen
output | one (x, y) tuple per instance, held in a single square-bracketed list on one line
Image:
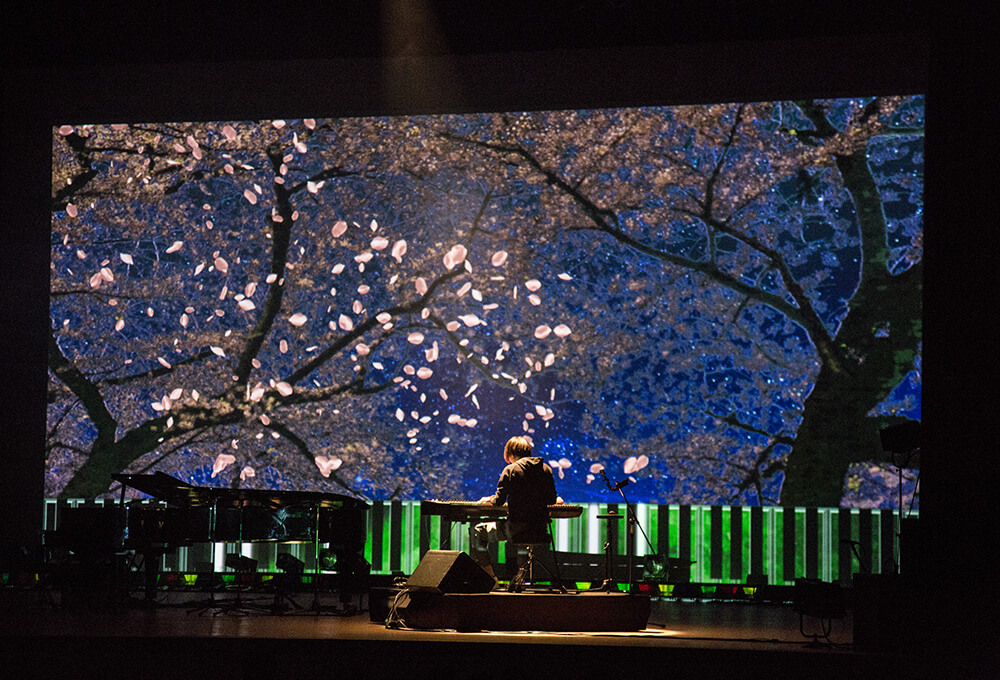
[(719, 303)]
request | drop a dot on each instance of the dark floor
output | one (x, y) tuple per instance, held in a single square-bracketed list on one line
[(84, 636)]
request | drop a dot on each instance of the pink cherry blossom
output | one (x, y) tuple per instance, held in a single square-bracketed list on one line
[(327, 465), (221, 462)]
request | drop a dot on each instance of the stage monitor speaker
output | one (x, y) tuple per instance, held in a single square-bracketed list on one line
[(449, 571)]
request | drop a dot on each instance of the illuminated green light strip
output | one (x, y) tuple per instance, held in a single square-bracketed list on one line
[(587, 533)]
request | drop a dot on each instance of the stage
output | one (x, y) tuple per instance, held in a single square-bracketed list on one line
[(683, 638)]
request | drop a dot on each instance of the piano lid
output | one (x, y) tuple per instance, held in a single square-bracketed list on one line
[(173, 491)]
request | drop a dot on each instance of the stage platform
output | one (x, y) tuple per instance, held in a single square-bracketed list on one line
[(180, 637)]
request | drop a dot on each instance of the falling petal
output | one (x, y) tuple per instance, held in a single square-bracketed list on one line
[(542, 332), (383, 317), (246, 473), (339, 228), (107, 274), (250, 289), (499, 258), (534, 299), (364, 257), (284, 389), (297, 319), (221, 265), (120, 324), (565, 463), (327, 465), (533, 285), (163, 362), (455, 256), (415, 338), (345, 323), (250, 196), (424, 372), (432, 353), (421, 285), (230, 132), (550, 359), (363, 349), (218, 351), (247, 305), (398, 250), (471, 320), (283, 346), (562, 330), (185, 320), (71, 210), (380, 243), (466, 287), (565, 277), (126, 258), (400, 415), (271, 278), (631, 465), (221, 462), (452, 326)]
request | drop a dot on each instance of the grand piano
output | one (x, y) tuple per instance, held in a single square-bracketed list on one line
[(183, 514)]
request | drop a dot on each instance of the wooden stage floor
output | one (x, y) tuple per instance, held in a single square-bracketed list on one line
[(683, 639)]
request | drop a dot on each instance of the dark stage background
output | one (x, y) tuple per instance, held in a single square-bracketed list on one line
[(362, 59)]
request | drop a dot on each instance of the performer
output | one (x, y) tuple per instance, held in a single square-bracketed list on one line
[(527, 486)]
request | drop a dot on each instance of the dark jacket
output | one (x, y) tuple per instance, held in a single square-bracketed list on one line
[(528, 488)]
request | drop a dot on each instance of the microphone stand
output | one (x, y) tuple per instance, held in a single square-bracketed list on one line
[(631, 523)]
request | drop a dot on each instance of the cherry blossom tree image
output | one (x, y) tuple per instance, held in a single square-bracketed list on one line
[(721, 303)]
